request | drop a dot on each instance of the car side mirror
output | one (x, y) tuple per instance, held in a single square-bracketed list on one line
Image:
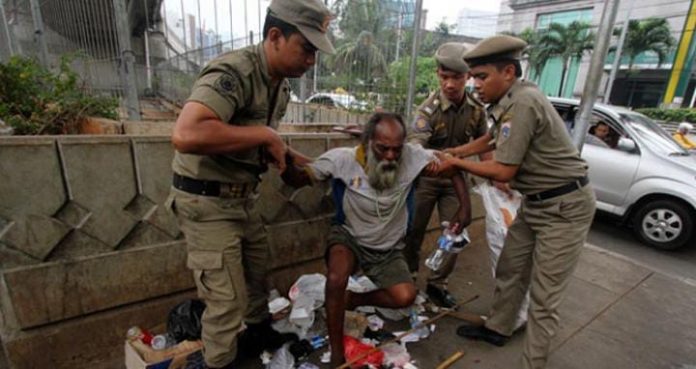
[(626, 144)]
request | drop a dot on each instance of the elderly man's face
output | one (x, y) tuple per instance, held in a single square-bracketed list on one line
[(384, 154)]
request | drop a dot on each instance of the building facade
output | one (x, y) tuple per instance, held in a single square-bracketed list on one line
[(643, 86)]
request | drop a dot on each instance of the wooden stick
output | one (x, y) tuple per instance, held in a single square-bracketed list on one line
[(402, 335), (451, 360)]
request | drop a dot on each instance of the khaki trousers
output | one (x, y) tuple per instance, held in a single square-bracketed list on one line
[(431, 192), (541, 250), (228, 254)]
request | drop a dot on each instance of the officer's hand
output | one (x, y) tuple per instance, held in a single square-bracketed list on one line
[(447, 164), (503, 187), (277, 149), (454, 151)]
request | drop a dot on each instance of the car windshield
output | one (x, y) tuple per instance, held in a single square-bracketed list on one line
[(653, 134)]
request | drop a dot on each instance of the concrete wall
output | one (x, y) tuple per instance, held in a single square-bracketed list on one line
[(87, 250)]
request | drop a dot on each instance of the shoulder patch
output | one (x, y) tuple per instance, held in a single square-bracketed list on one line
[(421, 123), (505, 130), (226, 84), (430, 105)]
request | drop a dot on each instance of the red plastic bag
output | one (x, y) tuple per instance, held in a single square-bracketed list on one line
[(353, 348)]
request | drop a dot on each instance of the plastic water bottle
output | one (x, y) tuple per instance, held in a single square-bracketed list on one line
[(448, 243), (419, 328)]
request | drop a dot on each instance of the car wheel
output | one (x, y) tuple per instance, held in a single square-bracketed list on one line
[(665, 224)]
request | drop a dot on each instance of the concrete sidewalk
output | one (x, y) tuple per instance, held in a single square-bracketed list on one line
[(616, 314)]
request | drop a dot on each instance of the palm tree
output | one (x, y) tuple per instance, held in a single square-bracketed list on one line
[(650, 34), (566, 42), (535, 55), (362, 59)]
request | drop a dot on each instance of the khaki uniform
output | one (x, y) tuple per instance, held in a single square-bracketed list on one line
[(544, 243), (226, 240), (440, 124)]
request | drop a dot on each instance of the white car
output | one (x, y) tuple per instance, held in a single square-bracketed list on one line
[(343, 101), (639, 173)]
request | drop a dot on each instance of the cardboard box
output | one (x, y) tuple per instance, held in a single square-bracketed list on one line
[(135, 361)]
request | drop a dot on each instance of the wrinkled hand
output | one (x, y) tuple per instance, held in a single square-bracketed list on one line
[(276, 149)]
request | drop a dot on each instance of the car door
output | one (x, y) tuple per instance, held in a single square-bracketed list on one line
[(611, 169)]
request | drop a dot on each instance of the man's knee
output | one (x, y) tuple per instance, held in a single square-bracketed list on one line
[(403, 294)]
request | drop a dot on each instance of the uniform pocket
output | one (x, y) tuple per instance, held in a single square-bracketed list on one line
[(213, 279)]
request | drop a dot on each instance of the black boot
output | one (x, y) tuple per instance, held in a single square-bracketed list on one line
[(482, 333), (440, 297)]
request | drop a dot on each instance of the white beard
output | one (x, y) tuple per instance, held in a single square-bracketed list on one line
[(382, 174)]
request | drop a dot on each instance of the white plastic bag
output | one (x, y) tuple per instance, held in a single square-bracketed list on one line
[(282, 359), (309, 287), (501, 209)]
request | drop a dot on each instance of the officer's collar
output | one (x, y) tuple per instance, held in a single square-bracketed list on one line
[(446, 103), (263, 63), (497, 109)]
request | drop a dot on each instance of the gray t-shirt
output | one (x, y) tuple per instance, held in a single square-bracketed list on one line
[(377, 220)]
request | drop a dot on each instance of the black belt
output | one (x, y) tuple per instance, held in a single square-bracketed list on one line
[(213, 188), (558, 191)]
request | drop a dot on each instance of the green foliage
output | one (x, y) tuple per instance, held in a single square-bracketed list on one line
[(426, 80), (566, 42), (34, 100), (670, 115), (647, 35)]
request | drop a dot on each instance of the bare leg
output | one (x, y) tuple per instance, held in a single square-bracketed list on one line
[(397, 296), (341, 263)]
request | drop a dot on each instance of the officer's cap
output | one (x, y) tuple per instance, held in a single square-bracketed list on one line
[(495, 48), (451, 56), (311, 17)]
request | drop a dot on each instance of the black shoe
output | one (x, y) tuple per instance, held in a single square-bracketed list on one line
[(483, 334), (440, 297), (261, 336)]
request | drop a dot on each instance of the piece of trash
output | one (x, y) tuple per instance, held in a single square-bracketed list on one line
[(410, 366), (278, 304), (421, 330), (162, 341), (375, 323), (282, 359), (325, 357), (354, 349), (307, 365), (409, 338), (395, 354), (184, 320), (309, 286), (266, 357), (354, 324)]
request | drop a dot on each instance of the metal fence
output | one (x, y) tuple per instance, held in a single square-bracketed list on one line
[(369, 71)]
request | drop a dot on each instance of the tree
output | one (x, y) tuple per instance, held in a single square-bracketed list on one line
[(566, 42), (535, 55), (362, 59), (647, 35)]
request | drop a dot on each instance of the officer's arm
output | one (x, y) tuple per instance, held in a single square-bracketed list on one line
[(198, 130), (478, 146), (491, 169)]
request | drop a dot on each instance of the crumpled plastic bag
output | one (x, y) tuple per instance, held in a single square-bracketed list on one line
[(184, 321), (353, 348), (309, 287), (501, 210), (282, 359), (395, 354)]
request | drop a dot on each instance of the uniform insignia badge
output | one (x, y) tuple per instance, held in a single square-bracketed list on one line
[(505, 130), (428, 110), (226, 84), (421, 123)]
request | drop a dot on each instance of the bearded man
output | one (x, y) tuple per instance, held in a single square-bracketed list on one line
[(373, 188)]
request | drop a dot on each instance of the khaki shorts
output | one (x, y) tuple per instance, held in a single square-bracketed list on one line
[(384, 268)]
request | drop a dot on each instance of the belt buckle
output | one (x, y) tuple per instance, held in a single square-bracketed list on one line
[(225, 190)]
